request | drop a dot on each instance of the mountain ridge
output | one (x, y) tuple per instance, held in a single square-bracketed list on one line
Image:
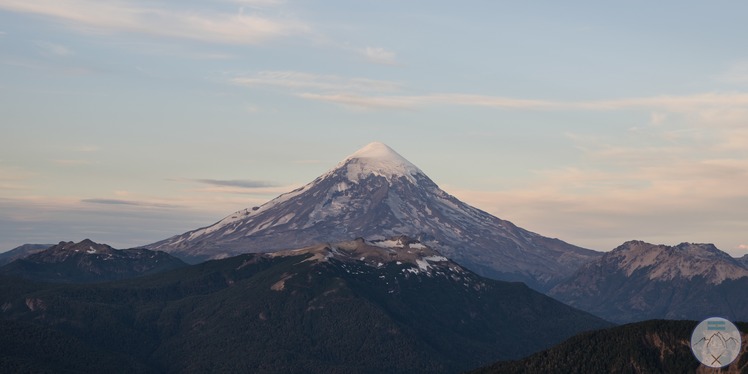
[(335, 307), (88, 261), (639, 281)]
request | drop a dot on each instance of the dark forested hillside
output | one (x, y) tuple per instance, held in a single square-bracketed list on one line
[(656, 346), (259, 313)]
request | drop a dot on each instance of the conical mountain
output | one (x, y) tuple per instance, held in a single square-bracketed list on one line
[(374, 194)]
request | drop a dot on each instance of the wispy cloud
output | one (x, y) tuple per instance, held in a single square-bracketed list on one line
[(262, 190), (241, 183), (681, 103), (128, 202), (308, 162), (296, 81), (383, 94), (669, 203), (679, 179), (379, 55), (261, 194), (256, 3), (69, 162), (384, 101), (737, 73), (14, 178), (86, 148), (365, 102), (148, 18), (53, 49)]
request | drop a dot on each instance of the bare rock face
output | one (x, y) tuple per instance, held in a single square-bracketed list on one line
[(375, 193), (639, 281)]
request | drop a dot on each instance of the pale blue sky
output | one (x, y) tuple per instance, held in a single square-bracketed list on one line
[(130, 121)]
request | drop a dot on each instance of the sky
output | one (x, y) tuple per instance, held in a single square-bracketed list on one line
[(128, 122)]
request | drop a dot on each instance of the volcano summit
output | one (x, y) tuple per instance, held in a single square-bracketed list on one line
[(377, 194)]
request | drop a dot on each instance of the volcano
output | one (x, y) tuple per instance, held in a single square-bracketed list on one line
[(376, 194)]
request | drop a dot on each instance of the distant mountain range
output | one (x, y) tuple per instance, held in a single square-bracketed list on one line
[(21, 252), (376, 193), (639, 281), (646, 347), (87, 261), (389, 305)]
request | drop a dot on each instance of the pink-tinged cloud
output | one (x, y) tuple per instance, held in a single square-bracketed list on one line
[(149, 18), (295, 80), (680, 104)]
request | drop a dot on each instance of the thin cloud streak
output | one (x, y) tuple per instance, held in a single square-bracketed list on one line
[(14, 178), (257, 3), (260, 191), (241, 183), (372, 94), (265, 194), (144, 17), (52, 49), (683, 103), (128, 202), (379, 55), (365, 102), (86, 148), (737, 73), (299, 80), (73, 162)]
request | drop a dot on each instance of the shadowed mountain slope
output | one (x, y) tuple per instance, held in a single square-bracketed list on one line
[(87, 262), (655, 346), (384, 306), (639, 281)]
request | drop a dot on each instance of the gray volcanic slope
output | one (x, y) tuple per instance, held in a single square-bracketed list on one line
[(375, 193)]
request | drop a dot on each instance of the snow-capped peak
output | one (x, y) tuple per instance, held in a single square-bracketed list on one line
[(378, 159)]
